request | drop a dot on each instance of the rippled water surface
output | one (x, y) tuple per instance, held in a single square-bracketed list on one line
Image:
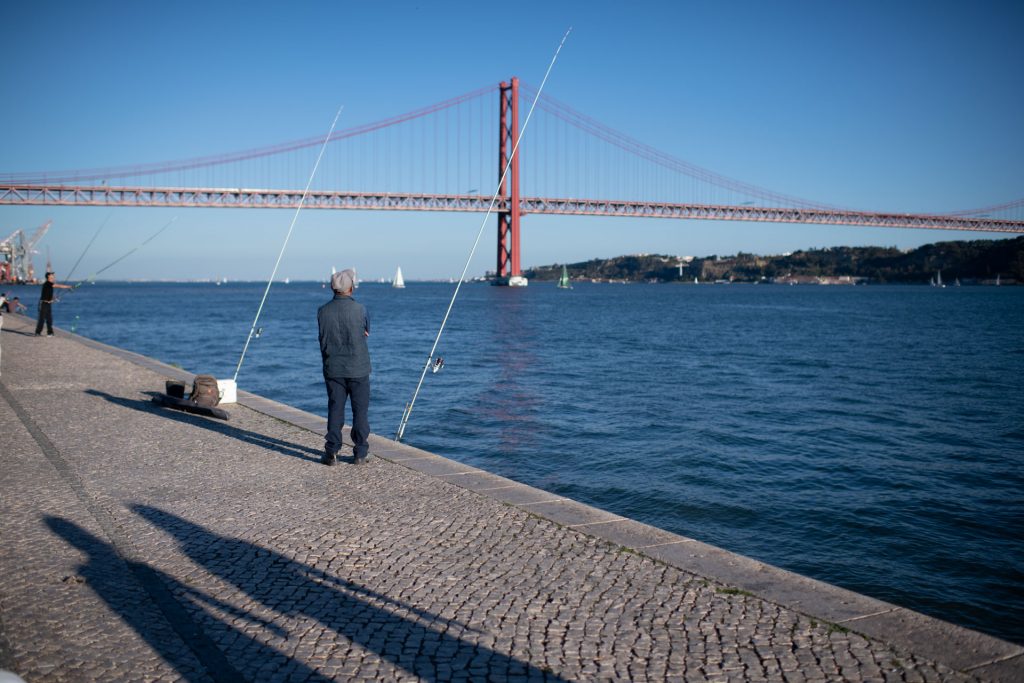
[(871, 437)]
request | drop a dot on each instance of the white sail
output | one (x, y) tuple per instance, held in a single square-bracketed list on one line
[(564, 282), (398, 282)]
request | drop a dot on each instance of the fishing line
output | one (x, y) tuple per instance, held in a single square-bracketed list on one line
[(84, 251), (126, 255), (302, 201), (479, 234)]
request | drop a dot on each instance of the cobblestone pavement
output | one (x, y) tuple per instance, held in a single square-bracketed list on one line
[(142, 544)]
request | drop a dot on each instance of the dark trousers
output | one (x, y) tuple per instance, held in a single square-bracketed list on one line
[(340, 389), (45, 315)]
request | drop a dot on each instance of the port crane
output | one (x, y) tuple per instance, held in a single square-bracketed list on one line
[(16, 255)]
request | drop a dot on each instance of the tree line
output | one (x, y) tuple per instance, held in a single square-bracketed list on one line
[(973, 261)]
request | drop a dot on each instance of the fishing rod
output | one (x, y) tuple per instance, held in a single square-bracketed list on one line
[(490, 208), (84, 251), (126, 255), (252, 330)]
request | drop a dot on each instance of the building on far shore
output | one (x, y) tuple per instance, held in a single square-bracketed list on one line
[(820, 280)]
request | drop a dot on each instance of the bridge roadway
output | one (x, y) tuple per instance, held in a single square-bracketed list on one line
[(142, 544), (103, 195)]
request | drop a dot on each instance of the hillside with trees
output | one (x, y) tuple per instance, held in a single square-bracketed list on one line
[(970, 262)]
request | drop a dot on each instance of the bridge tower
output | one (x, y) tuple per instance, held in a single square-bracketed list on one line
[(507, 272)]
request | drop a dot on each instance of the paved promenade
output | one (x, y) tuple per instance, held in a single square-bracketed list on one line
[(142, 544)]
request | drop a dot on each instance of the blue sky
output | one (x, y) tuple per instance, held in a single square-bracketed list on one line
[(896, 106)]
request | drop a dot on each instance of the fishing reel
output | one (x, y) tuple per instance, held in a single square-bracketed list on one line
[(438, 365)]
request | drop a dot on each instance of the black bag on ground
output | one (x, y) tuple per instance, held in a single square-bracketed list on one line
[(174, 388), (205, 391)]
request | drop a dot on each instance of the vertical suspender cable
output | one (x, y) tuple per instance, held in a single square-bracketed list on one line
[(479, 234), (286, 238)]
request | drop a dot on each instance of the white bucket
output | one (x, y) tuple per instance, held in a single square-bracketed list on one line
[(228, 390)]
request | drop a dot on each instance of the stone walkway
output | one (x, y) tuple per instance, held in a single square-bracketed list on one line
[(143, 544)]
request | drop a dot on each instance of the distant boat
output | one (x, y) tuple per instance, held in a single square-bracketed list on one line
[(997, 279), (287, 280), (398, 282), (938, 279), (563, 282)]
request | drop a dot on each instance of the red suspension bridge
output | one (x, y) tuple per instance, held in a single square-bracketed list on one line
[(443, 158)]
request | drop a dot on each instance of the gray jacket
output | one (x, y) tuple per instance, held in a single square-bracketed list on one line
[(343, 326)]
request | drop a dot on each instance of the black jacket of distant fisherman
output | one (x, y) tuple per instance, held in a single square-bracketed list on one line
[(343, 326)]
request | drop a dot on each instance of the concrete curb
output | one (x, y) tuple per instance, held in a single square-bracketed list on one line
[(962, 649)]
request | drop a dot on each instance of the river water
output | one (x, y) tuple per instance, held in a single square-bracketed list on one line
[(871, 437)]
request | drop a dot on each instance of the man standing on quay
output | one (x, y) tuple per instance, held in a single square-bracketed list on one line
[(46, 304), (344, 327)]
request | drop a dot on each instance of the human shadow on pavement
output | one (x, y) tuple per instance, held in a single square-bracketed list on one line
[(250, 437), (8, 330), (424, 644), (196, 657)]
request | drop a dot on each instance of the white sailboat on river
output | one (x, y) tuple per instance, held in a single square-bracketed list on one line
[(564, 282), (398, 282)]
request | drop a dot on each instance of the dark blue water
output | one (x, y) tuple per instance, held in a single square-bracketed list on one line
[(871, 437)]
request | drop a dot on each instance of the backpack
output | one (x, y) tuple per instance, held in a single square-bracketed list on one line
[(205, 391)]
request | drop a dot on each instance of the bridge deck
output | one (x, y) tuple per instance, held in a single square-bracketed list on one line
[(241, 198), (145, 544)]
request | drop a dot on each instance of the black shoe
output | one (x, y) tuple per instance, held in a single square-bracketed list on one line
[(358, 460), (328, 459)]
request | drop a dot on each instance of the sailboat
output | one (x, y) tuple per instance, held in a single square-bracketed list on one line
[(938, 279), (563, 282), (398, 282)]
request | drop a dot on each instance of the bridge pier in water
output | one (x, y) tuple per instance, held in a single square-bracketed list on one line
[(508, 271)]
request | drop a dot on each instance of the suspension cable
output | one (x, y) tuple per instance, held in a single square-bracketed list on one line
[(479, 234), (287, 237)]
